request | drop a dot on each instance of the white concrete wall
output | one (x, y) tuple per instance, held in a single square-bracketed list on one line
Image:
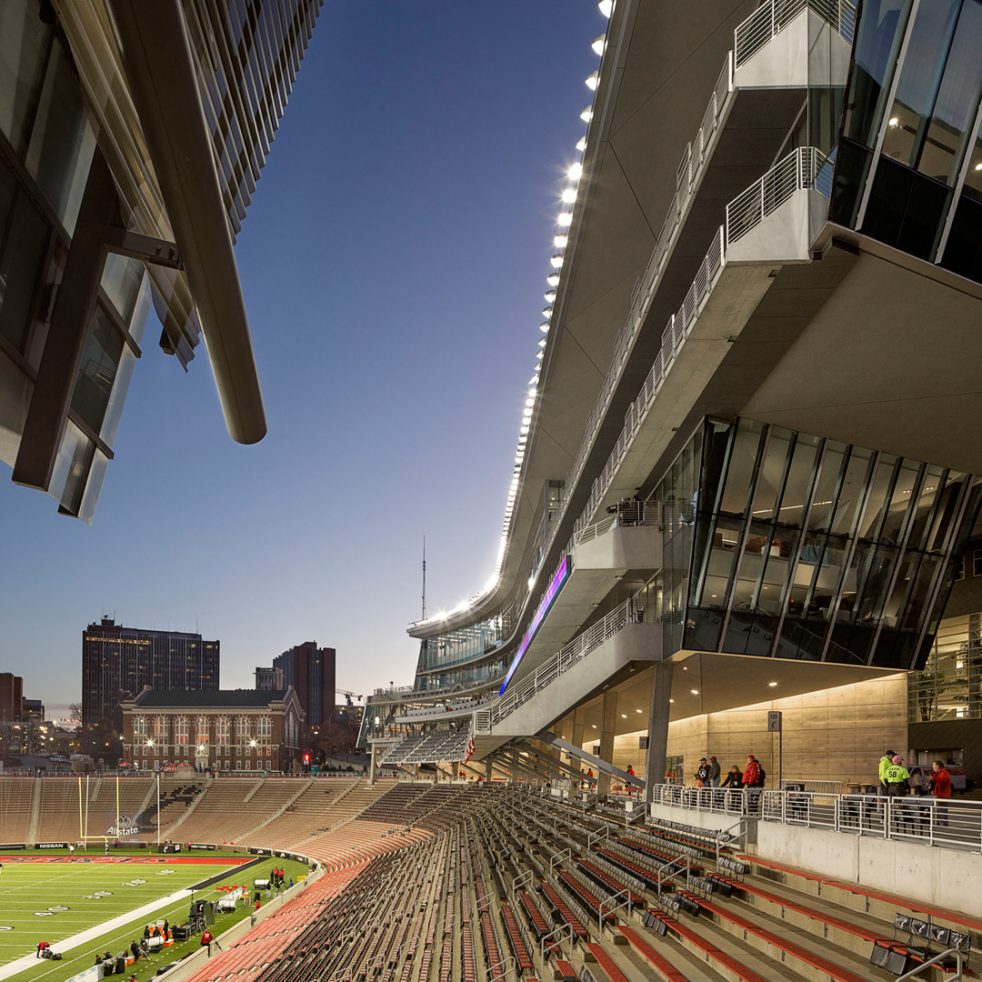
[(946, 877), (700, 820)]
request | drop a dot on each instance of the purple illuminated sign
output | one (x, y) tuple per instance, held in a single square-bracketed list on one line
[(556, 584)]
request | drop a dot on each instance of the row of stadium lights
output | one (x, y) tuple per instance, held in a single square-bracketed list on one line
[(563, 221)]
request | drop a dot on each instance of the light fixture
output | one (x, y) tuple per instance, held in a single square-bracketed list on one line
[(556, 261), (581, 144), (547, 313), (542, 342), (978, 166), (695, 692), (594, 725), (671, 700), (539, 356), (568, 196), (592, 81), (606, 7), (773, 685), (893, 122), (599, 43), (587, 114), (553, 279), (564, 219), (623, 715), (560, 242), (575, 172), (550, 297), (637, 710)]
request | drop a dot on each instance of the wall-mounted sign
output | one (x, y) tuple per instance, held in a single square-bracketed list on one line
[(556, 584)]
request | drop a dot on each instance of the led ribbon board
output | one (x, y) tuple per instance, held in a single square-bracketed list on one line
[(556, 584)]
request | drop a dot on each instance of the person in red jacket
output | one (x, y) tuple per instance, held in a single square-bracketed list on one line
[(752, 775), (940, 780)]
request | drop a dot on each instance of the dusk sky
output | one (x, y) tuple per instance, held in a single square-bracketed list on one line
[(393, 262)]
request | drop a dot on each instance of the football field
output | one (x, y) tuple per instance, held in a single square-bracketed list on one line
[(56, 898)]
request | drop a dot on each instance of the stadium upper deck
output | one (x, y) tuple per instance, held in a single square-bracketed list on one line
[(748, 452)]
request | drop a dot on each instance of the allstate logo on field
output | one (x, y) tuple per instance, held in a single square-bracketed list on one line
[(126, 826)]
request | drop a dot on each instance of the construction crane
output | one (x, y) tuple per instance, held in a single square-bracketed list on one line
[(349, 696)]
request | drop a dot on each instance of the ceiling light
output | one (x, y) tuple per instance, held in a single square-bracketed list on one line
[(671, 700), (695, 692), (599, 43), (553, 279), (575, 172), (547, 313), (592, 81), (606, 7), (978, 166), (623, 715), (560, 242), (556, 261), (772, 684), (539, 356), (530, 401), (564, 219), (594, 725), (894, 122), (587, 114), (637, 710), (581, 144), (544, 328), (550, 296), (568, 195), (542, 342)]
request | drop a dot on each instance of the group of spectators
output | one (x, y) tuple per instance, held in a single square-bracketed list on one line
[(896, 781), (708, 774)]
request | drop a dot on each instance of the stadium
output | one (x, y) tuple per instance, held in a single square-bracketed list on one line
[(740, 536)]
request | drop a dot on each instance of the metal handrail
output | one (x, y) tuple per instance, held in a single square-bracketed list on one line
[(960, 961), (772, 16), (627, 902), (569, 655)]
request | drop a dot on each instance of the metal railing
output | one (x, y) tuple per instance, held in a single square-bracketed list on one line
[(796, 172), (629, 612), (632, 513), (769, 19), (952, 823), (942, 956)]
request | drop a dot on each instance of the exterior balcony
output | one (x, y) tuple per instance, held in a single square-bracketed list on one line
[(756, 288), (614, 646)]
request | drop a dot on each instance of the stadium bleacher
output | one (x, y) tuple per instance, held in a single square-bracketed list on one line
[(459, 881)]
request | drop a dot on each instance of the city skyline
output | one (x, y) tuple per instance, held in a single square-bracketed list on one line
[(196, 533)]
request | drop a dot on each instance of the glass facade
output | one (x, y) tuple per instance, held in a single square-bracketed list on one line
[(909, 163), (950, 686), (787, 545)]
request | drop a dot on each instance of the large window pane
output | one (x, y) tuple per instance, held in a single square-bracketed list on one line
[(740, 471), (823, 497), (23, 242), (878, 39), (958, 99), (920, 76), (63, 141), (23, 39), (97, 371), (770, 478)]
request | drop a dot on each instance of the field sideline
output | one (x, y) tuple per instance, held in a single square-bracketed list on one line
[(53, 898)]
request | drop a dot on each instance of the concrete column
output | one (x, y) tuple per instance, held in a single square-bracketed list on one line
[(658, 718), (487, 770), (608, 727), (371, 766)]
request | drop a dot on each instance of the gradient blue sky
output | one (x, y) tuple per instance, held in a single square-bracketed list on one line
[(393, 262)]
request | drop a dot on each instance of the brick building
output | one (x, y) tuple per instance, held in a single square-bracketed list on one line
[(220, 729)]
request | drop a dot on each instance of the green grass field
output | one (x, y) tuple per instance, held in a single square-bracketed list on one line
[(57, 900)]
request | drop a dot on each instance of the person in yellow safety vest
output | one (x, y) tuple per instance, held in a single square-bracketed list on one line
[(885, 761), (897, 778)]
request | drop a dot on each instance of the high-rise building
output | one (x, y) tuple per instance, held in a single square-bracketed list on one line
[(311, 671), (120, 661), (745, 473), (132, 136), (269, 679), (11, 697)]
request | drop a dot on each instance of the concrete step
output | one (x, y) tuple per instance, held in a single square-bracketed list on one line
[(653, 954), (730, 957), (809, 956)]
